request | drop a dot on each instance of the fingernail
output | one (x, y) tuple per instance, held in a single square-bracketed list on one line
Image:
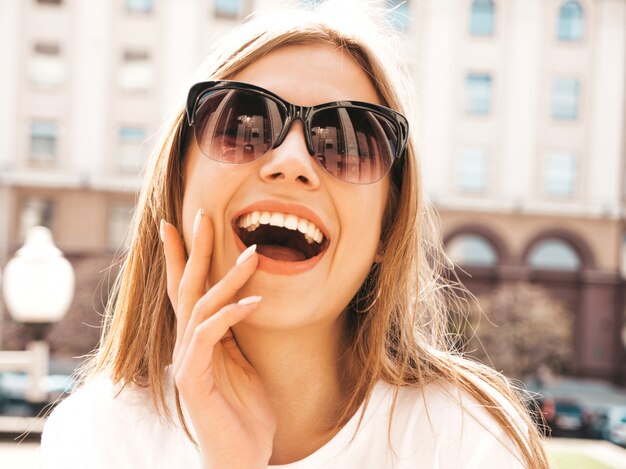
[(162, 230), (196, 222), (249, 300), (247, 254)]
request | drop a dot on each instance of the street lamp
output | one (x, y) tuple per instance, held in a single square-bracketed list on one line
[(38, 286)]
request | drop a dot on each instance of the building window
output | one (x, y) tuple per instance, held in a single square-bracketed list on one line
[(46, 65), (228, 8), (131, 152), (136, 73), (140, 6), (310, 4), (565, 98), (478, 93), (34, 211), (473, 170), (472, 250), (120, 220), (571, 22), (554, 254), (43, 141), (398, 14), (560, 174), (482, 18)]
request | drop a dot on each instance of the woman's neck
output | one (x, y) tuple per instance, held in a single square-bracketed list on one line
[(304, 377)]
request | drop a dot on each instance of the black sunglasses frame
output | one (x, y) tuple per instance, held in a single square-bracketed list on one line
[(294, 112)]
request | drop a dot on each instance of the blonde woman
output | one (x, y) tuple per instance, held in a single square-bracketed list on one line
[(280, 303)]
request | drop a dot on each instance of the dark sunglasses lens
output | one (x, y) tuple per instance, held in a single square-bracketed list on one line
[(354, 145), (237, 126)]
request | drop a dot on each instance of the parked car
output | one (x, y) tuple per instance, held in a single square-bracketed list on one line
[(13, 388), (610, 424), (566, 416)]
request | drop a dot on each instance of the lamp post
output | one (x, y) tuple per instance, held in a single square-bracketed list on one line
[(38, 287)]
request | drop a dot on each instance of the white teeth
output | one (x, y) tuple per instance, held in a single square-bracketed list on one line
[(302, 225), (278, 219), (251, 221), (291, 222), (318, 235), (265, 218), (310, 230)]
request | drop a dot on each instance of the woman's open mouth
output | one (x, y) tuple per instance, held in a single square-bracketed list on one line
[(281, 238)]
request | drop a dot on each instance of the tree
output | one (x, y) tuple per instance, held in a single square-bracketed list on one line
[(518, 329)]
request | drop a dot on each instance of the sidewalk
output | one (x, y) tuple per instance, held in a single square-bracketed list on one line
[(14, 455), (602, 451)]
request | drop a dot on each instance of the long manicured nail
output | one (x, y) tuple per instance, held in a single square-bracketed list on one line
[(162, 230), (249, 300), (247, 254), (197, 220)]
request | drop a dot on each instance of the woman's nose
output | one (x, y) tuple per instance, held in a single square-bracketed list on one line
[(291, 162)]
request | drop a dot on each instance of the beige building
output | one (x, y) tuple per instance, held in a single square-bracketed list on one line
[(523, 153), (521, 132)]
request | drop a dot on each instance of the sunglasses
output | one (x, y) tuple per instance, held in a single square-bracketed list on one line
[(238, 123)]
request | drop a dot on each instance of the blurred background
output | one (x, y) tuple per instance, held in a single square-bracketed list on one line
[(522, 139)]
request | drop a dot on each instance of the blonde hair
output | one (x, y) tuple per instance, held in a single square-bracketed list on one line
[(398, 319)]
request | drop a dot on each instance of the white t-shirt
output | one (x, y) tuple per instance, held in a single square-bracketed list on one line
[(93, 429)]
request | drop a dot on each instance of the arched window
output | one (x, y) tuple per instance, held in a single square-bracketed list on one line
[(571, 21), (554, 254), (482, 18), (228, 8), (472, 250)]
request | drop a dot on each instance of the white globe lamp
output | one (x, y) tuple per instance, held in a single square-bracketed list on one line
[(38, 283), (38, 287)]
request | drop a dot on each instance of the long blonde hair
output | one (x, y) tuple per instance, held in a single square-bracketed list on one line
[(399, 317)]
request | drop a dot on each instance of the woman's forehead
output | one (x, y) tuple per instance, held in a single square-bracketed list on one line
[(309, 74)]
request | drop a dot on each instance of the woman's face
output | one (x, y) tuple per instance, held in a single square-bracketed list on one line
[(289, 180)]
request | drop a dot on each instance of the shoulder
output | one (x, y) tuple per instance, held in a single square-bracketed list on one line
[(98, 418), (65, 430), (98, 400), (448, 423)]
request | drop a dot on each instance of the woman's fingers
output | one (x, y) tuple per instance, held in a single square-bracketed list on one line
[(193, 282), (175, 260), (203, 340), (186, 278), (218, 296)]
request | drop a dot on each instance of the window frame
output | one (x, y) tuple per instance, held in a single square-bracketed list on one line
[(470, 108), (40, 159), (462, 170), (559, 100), (573, 178), (482, 7), (565, 29)]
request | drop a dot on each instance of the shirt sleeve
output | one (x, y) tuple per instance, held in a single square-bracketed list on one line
[(62, 439)]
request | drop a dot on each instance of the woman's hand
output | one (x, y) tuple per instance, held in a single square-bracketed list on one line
[(221, 391)]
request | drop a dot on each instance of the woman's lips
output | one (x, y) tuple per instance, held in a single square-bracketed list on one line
[(282, 262), (278, 266)]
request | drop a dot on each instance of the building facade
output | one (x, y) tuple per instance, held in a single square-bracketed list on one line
[(523, 154), (521, 133)]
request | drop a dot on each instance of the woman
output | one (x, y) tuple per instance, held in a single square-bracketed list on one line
[(300, 320)]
